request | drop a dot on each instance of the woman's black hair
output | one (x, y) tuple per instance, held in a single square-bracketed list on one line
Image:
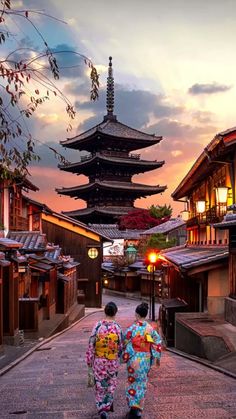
[(111, 309), (142, 309)]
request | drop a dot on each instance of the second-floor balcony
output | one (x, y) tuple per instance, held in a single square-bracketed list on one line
[(211, 216), (18, 223)]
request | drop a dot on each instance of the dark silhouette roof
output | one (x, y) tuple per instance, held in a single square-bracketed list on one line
[(30, 240), (113, 128), (136, 188), (99, 210), (136, 164)]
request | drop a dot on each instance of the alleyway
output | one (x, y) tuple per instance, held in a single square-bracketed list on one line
[(52, 382)]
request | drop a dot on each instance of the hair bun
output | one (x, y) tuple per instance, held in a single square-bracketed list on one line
[(142, 309)]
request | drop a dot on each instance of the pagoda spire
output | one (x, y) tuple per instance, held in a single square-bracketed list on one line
[(110, 90)]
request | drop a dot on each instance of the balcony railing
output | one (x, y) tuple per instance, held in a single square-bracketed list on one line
[(111, 154), (17, 223), (212, 216)]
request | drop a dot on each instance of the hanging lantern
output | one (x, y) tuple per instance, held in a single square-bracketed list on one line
[(221, 194), (200, 206), (93, 253), (185, 215)]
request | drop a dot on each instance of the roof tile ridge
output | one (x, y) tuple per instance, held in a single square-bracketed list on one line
[(141, 132), (95, 127)]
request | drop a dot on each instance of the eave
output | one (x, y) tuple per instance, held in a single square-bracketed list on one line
[(136, 165), (208, 161), (132, 188), (116, 211), (109, 131), (194, 259), (64, 221)]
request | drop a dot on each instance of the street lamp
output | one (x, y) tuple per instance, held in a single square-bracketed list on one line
[(131, 253), (152, 258)]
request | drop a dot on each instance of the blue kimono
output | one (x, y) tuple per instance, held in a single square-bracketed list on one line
[(142, 345)]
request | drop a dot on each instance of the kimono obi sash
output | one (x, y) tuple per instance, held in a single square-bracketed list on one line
[(142, 343), (106, 346)]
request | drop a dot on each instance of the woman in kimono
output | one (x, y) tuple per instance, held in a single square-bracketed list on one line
[(103, 355), (142, 349)]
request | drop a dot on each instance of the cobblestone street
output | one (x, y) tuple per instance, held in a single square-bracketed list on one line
[(52, 381)]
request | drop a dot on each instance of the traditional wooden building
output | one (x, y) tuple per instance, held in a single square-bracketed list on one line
[(13, 208), (109, 166), (84, 245), (199, 272), (9, 288), (175, 228)]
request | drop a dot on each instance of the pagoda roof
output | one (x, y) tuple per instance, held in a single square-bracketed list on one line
[(116, 211), (77, 191), (132, 162), (109, 128)]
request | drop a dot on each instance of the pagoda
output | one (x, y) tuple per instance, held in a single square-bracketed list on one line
[(109, 166)]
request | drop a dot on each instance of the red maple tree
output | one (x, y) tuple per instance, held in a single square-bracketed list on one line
[(140, 220)]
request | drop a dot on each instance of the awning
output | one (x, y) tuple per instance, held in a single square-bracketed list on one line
[(63, 277), (19, 259), (42, 267), (70, 265), (228, 222), (6, 243), (195, 258), (4, 262)]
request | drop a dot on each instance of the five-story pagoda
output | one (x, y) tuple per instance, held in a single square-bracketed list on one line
[(109, 166)]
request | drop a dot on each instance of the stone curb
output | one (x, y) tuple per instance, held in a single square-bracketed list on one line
[(201, 361), (26, 354)]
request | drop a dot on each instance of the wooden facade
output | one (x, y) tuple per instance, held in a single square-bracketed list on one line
[(10, 305), (209, 282), (76, 239)]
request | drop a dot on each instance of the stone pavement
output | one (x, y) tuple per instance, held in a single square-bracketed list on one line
[(52, 381), (12, 354)]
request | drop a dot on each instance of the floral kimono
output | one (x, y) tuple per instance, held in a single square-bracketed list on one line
[(142, 345), (103, 354)]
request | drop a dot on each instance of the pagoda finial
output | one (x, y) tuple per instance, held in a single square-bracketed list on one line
[(110, 89)]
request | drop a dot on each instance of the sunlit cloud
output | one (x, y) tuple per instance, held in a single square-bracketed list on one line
[(176, 153), (208, 88), (155, 82)]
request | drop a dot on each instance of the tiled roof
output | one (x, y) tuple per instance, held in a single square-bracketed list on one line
[(115, 129), (9, 242), (100, 210), (112, 185), (31, 240), (67, 216), (112, 231), (53, 253), (40, 266), (228, 221), (166, 227), (134, 164), (186, 258)]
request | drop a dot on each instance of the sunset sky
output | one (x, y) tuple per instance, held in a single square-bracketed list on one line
[(174, 69)]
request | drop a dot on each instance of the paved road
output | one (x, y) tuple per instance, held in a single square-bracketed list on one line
[(52, 382)]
